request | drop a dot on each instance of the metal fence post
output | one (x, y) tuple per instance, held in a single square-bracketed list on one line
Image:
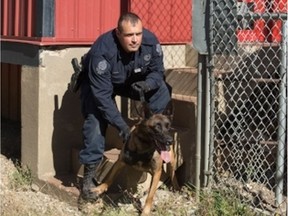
[(282, 120)]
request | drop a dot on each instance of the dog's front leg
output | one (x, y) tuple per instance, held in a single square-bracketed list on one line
[(108, 180), (153, 187), (171, 170)]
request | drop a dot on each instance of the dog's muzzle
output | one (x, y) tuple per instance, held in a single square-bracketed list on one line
[(169, 141)]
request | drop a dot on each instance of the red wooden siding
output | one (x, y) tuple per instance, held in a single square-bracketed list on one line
[(10, 91), (76, 21), (82, 21), (85, 20), (17, 18), (170, 20)]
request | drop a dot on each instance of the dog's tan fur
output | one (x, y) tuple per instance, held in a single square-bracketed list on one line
[(142, 140)]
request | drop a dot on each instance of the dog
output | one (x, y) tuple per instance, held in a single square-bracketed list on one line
[(148, 147)]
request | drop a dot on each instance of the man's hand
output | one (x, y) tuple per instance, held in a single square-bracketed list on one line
[(125, 134), (140, 86)]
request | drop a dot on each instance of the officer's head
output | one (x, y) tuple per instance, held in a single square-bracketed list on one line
[(129, 32)]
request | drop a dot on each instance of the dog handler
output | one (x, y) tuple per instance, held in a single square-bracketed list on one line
[(122, 62)]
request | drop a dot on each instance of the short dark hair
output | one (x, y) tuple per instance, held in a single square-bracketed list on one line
[(132, 17)]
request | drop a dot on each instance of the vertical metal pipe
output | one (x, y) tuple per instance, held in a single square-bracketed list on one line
[(207, 121), (199, 127), (210, 130), (282, 116), (209, 102)]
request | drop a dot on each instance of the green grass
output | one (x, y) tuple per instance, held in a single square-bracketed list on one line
[(222, 202), (21, 178)]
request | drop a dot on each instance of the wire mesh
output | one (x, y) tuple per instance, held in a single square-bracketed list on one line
[(171, 21), (248, 76), (248, 47)]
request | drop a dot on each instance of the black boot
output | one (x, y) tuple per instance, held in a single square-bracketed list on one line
[(89, 182)]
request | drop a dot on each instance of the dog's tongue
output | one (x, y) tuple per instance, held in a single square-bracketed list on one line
[(165, 156)]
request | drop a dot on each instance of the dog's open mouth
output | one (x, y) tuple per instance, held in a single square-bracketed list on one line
[(165, 156), (164, 150)]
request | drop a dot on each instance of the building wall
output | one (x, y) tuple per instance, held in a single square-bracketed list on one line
[(51, 117)]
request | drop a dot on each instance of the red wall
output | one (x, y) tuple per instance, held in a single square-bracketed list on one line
[(83, 21), (17, 18), (170, 20), (76, 21)]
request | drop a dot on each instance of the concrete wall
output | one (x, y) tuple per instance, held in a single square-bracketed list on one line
[(51, 117), (29, 117)]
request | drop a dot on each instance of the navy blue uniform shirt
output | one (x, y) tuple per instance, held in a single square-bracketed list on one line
[(111, 71)]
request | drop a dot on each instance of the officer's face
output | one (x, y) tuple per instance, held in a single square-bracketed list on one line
[(130, 37)]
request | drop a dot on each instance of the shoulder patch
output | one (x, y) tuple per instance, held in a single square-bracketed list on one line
[(101, 67), (147, 57), (159, 49)]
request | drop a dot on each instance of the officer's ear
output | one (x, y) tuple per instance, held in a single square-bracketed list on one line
[(118, 33)]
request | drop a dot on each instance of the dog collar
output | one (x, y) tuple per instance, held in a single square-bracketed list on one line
[(132, 157)]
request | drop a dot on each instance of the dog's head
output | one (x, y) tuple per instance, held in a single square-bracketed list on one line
[(157, 126), (160, 125)]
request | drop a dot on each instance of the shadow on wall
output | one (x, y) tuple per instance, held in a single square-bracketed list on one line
[(67, 132)]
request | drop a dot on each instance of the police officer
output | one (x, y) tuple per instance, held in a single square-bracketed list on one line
[(122, 62)]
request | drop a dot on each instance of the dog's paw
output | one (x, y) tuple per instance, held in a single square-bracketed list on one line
[(145, 214), (100, 189), (146, 211)]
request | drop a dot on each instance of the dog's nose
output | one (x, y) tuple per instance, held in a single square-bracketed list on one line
[(167, 147), (169, 140)]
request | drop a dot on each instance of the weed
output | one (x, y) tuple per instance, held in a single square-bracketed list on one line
[(21, 178), (221, 202)]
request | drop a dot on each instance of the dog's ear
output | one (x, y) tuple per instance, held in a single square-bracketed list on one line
[(169, 110), (146, 112)]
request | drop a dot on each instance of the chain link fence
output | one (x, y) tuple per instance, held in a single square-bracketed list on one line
[(171, 21), (248, 74)]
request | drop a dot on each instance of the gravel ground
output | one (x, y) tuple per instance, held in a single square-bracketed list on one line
[(23, 201), (26, 201), (31, 201)]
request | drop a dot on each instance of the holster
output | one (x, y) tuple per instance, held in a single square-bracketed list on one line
[(77, 76)]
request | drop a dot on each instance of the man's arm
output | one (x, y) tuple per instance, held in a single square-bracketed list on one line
[(102, 89), (156, 68)]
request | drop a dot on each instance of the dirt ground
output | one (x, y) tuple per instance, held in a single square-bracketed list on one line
[(32, 201), (26, 200)]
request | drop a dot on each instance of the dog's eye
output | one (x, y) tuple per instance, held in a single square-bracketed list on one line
[(158, 126), (167, 125)]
